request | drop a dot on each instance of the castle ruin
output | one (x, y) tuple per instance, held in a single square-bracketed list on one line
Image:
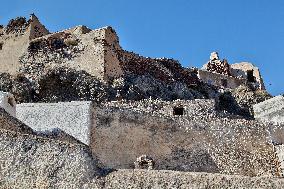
[(88, 114)]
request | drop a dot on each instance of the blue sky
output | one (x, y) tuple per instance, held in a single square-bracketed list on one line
[(186, 30)]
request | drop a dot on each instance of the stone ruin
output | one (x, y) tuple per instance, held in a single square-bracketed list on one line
[(78, 111), (220, 73)]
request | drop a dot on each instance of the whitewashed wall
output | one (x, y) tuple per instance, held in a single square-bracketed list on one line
[(74, 118)]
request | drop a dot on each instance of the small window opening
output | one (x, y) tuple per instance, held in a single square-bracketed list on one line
[(224, 83), (1, 46), (178, 111), (250, 76)]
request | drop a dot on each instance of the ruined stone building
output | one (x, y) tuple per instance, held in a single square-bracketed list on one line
[(220, 73), (78, 111)]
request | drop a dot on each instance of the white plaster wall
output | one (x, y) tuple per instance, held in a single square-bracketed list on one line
[(73, 118)]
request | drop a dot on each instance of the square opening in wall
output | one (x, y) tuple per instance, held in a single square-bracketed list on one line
[(178, 111), (250, 76)]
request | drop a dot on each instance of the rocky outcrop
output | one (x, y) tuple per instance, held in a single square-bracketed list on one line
[(30, 161)]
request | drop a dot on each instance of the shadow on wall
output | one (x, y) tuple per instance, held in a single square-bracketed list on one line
[(227, 102)]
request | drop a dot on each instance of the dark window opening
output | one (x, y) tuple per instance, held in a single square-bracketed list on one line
[(224, 83), (1, 46), (178, 111), (250, 76)]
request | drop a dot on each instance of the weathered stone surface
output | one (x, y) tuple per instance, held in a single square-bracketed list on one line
[(74, 118), (201, 141), (241, 100), (182, 180), (30, 161), (9, 122), (270, 110)]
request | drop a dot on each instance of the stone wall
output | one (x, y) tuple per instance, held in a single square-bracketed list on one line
[(15, 39), (74, 118), (206, 141), (220, 80), (241, 70)]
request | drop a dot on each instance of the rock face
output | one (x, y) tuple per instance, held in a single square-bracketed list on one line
[(30, 161)]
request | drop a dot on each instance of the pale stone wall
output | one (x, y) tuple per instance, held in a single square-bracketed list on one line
[(15, 44), (271, 110), (204, 141), (74, 118), (13, 47), (240, 70), (216, 79)]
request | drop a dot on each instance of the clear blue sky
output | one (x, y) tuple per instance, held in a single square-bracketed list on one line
[(187, 30)]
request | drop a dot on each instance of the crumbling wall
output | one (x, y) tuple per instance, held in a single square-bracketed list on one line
[(207, 141), (163, 69), (18, 85), (74, 118), (14, 40), (220, 80), (216, 65), (241, 69), (241, 100)]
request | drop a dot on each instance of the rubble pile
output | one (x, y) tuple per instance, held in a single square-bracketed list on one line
[(166, 70)]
